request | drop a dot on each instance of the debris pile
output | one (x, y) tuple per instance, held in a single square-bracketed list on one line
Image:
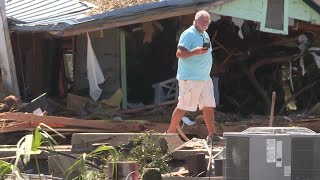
[(104, 5)]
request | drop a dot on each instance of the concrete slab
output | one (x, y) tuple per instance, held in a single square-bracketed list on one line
[(193, 178), (33, 177), (183, 153), (58, 164), (83, 142), (10, 151)]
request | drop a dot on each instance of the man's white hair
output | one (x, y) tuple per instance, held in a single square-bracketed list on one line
[(200, 14)]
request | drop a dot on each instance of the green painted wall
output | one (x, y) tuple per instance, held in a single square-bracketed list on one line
[(300, 10), (244, 9), (255, 10)]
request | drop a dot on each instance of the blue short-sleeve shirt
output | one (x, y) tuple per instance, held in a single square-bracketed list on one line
[(196, 67)]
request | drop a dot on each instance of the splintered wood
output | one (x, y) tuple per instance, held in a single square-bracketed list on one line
[(105, 5), (14, 122)]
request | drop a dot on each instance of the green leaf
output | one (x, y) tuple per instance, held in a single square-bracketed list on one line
[(83, 163), (49, 138), (72, 167), (101, 149), (37, 136), (42, 124), (5, 168)]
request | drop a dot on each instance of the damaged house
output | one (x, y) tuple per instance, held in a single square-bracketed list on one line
[(113, 60), (127, 55)]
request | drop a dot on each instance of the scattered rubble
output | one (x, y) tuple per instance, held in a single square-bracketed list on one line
[(103, 5)]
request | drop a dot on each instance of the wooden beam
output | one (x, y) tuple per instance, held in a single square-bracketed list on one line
[(122, 21), (55, 122), (27, 121), (15, 127), (151, 15), (305, 26), (8, 69), (123, 67), (107, 126)]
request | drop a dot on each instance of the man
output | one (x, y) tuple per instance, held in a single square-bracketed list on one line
[(195, 84)]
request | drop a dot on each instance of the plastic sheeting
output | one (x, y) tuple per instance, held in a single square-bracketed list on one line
[(316, 59), (95, 75)]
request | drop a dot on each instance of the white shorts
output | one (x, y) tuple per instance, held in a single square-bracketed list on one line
[(195, 93)]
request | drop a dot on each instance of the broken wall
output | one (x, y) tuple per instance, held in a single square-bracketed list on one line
[(150, 52), (37, 58), (105, 44)]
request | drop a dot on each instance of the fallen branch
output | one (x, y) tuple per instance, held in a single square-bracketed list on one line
[(254, 81), (297, 94)]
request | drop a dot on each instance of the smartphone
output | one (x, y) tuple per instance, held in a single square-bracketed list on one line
[(206, 45)]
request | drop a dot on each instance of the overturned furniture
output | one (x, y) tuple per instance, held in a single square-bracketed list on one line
[(165, 90)]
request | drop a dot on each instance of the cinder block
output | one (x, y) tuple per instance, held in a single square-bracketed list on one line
[(58, 164), (196, 165), (183, 153), (192, 178), (83, 142)]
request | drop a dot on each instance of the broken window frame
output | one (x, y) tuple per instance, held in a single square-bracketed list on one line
[(68, 65), (285, 19)]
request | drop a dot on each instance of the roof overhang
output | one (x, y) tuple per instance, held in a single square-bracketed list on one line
[(140, 17), (314, 4), (31, 13), (94, 23)]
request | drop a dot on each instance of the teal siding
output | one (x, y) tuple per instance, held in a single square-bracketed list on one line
[(255, 10), (300, 10), (244, 9)]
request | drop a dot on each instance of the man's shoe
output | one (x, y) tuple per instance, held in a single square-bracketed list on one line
[(214, 139)]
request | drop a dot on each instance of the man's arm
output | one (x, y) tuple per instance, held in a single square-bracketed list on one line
[(184, 53)]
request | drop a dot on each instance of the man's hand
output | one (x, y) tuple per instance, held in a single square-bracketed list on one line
[(200, 50), (184, 53)]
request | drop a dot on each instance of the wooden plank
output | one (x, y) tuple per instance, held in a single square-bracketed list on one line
[(107, 126), (304, 26), (15, 127), (139, 126), (37, 74), (8, 69), (123, 67), (16, 48), (63, 121)]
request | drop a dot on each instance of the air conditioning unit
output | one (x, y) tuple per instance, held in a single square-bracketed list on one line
[(272, 153)]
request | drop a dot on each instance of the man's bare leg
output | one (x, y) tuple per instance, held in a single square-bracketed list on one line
[(208, 116), (175, 120)]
